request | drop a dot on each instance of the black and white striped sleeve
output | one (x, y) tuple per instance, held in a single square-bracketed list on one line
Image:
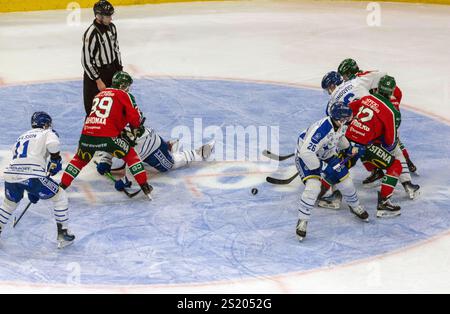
[(88, 54), (116, 45)]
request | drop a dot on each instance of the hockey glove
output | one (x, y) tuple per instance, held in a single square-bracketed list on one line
[(103, 167), (54, 166), (121, 184), (33, 198)]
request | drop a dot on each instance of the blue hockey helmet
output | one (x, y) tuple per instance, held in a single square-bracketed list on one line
[(41, 119), (331, 78), (340, 111)]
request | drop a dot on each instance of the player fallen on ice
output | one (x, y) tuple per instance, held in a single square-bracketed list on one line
[(35, 159), (357, 88), (373, 134), (363, 83), (156, 153), (104, 131), (316, 160)]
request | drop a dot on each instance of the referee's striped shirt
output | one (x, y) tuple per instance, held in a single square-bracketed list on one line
[(100, 48)]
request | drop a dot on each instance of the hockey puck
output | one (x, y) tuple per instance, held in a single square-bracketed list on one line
[(254, 191)]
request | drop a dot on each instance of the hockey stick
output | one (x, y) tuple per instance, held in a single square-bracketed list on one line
[(289, 180), (111, 177), (273, 156), (130, 195), (16, 221), (281, 181)]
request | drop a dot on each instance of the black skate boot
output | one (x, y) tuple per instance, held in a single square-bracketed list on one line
[(386, 209), (65, 238), (360, 212), (331, 202), (375, 175), (411, 189), (301, 229), (147, 189)]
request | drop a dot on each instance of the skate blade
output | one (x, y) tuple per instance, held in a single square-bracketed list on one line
[(63, 244), (387, 214), (414, 195), (299, 238), (329, 205)]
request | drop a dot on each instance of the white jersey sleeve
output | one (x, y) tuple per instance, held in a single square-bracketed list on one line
[(369, 80)]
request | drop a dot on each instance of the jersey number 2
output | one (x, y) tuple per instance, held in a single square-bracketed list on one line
[(24, 150), (365, 114), (102, 108)]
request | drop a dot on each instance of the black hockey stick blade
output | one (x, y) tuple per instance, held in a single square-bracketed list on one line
[(133, 194), (273, 156), (281, 181)]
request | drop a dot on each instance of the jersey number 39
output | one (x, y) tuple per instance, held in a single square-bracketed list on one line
[(102, 108)]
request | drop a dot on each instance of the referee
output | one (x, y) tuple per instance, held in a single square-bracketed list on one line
[(100, 56)]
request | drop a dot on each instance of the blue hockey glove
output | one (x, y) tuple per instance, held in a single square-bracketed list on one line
[(121, 184)]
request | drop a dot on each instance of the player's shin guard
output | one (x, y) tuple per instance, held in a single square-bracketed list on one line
[(6, 210), (136, 167), (308, 198), (350, 196), (72, 170), (405, 176), (348, 192), (390, 179), (61, 208)]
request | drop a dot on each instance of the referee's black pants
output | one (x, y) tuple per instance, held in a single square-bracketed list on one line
[(90, 89)]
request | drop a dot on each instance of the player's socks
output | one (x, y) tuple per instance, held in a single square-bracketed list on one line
[(6, 211), (390, 179), (136, 167), (72, 170)]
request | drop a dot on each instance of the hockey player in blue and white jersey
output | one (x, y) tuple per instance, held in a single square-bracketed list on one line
[(316, 160), (356, 87), (35, 158), (157, 154)]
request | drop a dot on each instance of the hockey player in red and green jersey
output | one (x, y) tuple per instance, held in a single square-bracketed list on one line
[(373, 132), (368, 80), (104, 131)]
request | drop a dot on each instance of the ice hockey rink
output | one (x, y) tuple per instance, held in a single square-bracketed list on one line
[(234, 63)]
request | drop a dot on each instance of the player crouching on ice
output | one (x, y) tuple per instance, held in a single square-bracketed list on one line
[(156, 153), (30, 170), (104, 131), (317, 159)]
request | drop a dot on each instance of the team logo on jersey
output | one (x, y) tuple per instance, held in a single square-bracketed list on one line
[(316, 138)]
